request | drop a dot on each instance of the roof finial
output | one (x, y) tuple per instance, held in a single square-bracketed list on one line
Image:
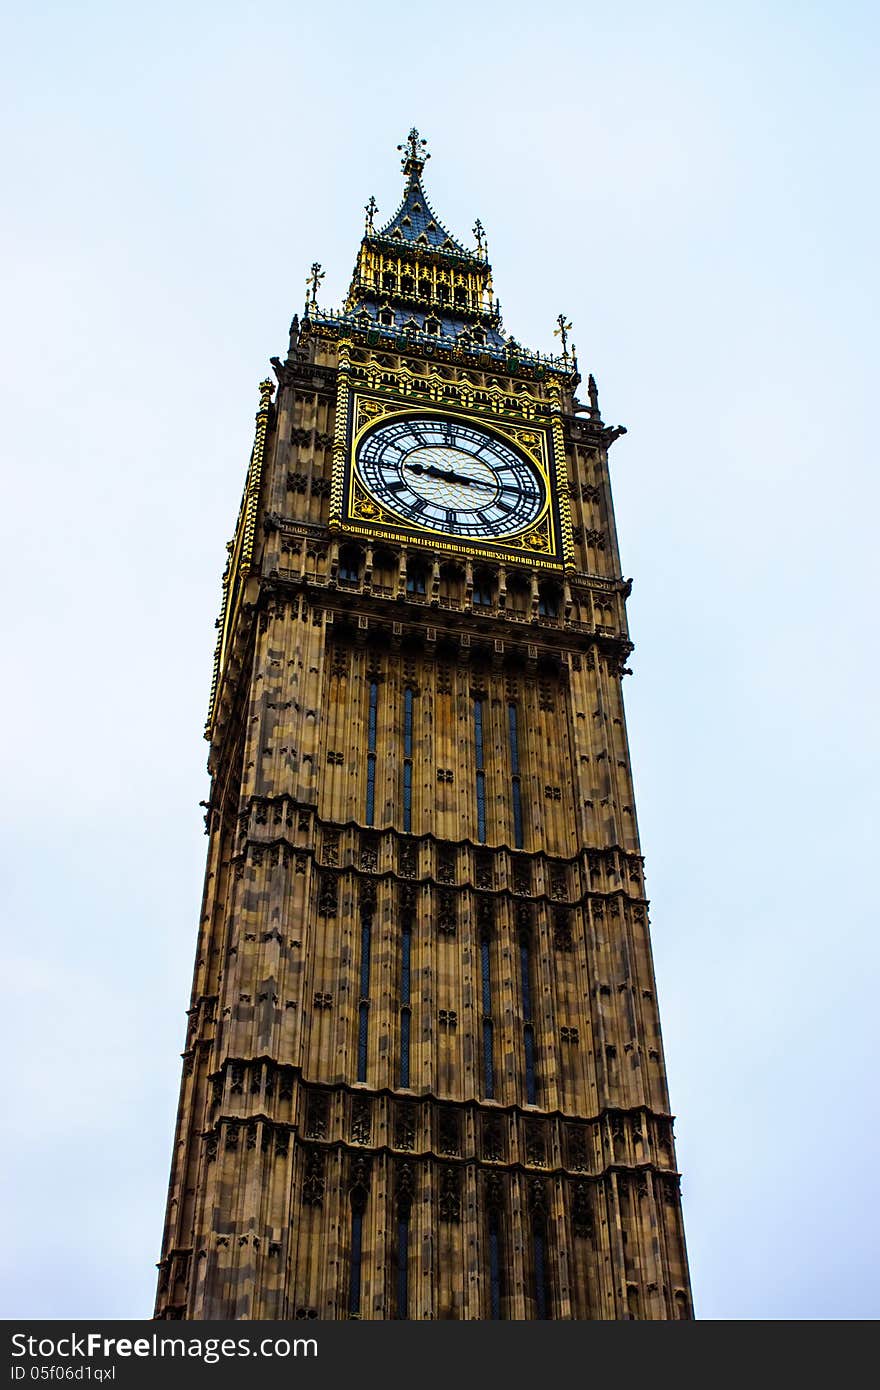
[(562, 332), (371, 209), (413, 161), (314, 281), (480, 233)]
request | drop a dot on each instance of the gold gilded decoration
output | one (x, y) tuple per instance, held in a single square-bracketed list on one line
[(561, 469), (562, 332), (368, 411), (240, 549), (340, 430), (252, 489), (362, 512), (364, 507), (537, 539)]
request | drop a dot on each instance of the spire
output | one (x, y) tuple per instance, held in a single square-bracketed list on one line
[(415, 220)]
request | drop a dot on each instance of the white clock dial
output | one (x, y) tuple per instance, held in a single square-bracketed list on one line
[(442, 474)]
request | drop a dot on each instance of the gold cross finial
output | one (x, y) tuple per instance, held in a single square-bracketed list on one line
[(562, 332), (415, 154), (480, 233), (371, 209), (314, 280)]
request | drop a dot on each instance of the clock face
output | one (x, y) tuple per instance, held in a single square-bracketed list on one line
[(442, 474)]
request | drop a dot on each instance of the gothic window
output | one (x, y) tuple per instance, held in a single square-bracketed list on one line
[(425, 289), (389, 280), (364, 1002), (479, 336), (405, 990), (443, 293), (494, 1203), (488, 1039), (548, 601), (404, 1205), (386, 317), (528, 1025), (407, 758), (460, 296), (537, 1204), (540, 1259), (479, 710), (407, 284), (494, 1266), (358, 1198), (518, 593), (349, 565), (432, 326), (515, 790), (371, 751), (415, 579), (482, 595)]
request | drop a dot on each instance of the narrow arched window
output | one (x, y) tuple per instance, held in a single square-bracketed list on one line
[(548, 602), (405, 992), (407, 758), (515, 788), (479, 713), (525, 968), (349, 565), (494, 1266), (364, 1001), (371, 752), (482, 594), (488, 1026)]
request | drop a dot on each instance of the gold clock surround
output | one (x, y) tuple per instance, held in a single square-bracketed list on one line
[(543, 543)]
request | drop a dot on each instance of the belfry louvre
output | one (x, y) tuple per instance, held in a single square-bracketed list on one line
[(423, 1075)]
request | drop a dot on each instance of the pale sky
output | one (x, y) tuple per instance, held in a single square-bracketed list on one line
[(695, 186)]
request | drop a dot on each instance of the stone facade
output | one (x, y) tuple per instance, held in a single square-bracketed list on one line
[(423, 1073)]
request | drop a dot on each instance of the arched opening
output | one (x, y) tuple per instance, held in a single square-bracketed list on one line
[(384, 571), (350, 559), (452, 579), (549, 600), (518, 594), (484, 589), (416, 577)]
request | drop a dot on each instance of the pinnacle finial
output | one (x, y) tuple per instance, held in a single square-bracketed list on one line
[(314, 281), (371, 209), (562, 332), (479, 232), (415, 154)]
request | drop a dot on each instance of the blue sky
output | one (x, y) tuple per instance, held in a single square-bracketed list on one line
[(695, 186)]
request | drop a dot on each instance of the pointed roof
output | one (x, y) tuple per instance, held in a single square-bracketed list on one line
[(440, 302), (415, 220)]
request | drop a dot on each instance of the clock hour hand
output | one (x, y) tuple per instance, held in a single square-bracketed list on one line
[(448, 475)]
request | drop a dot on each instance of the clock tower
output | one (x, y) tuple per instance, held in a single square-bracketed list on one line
[(423, 1075)]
